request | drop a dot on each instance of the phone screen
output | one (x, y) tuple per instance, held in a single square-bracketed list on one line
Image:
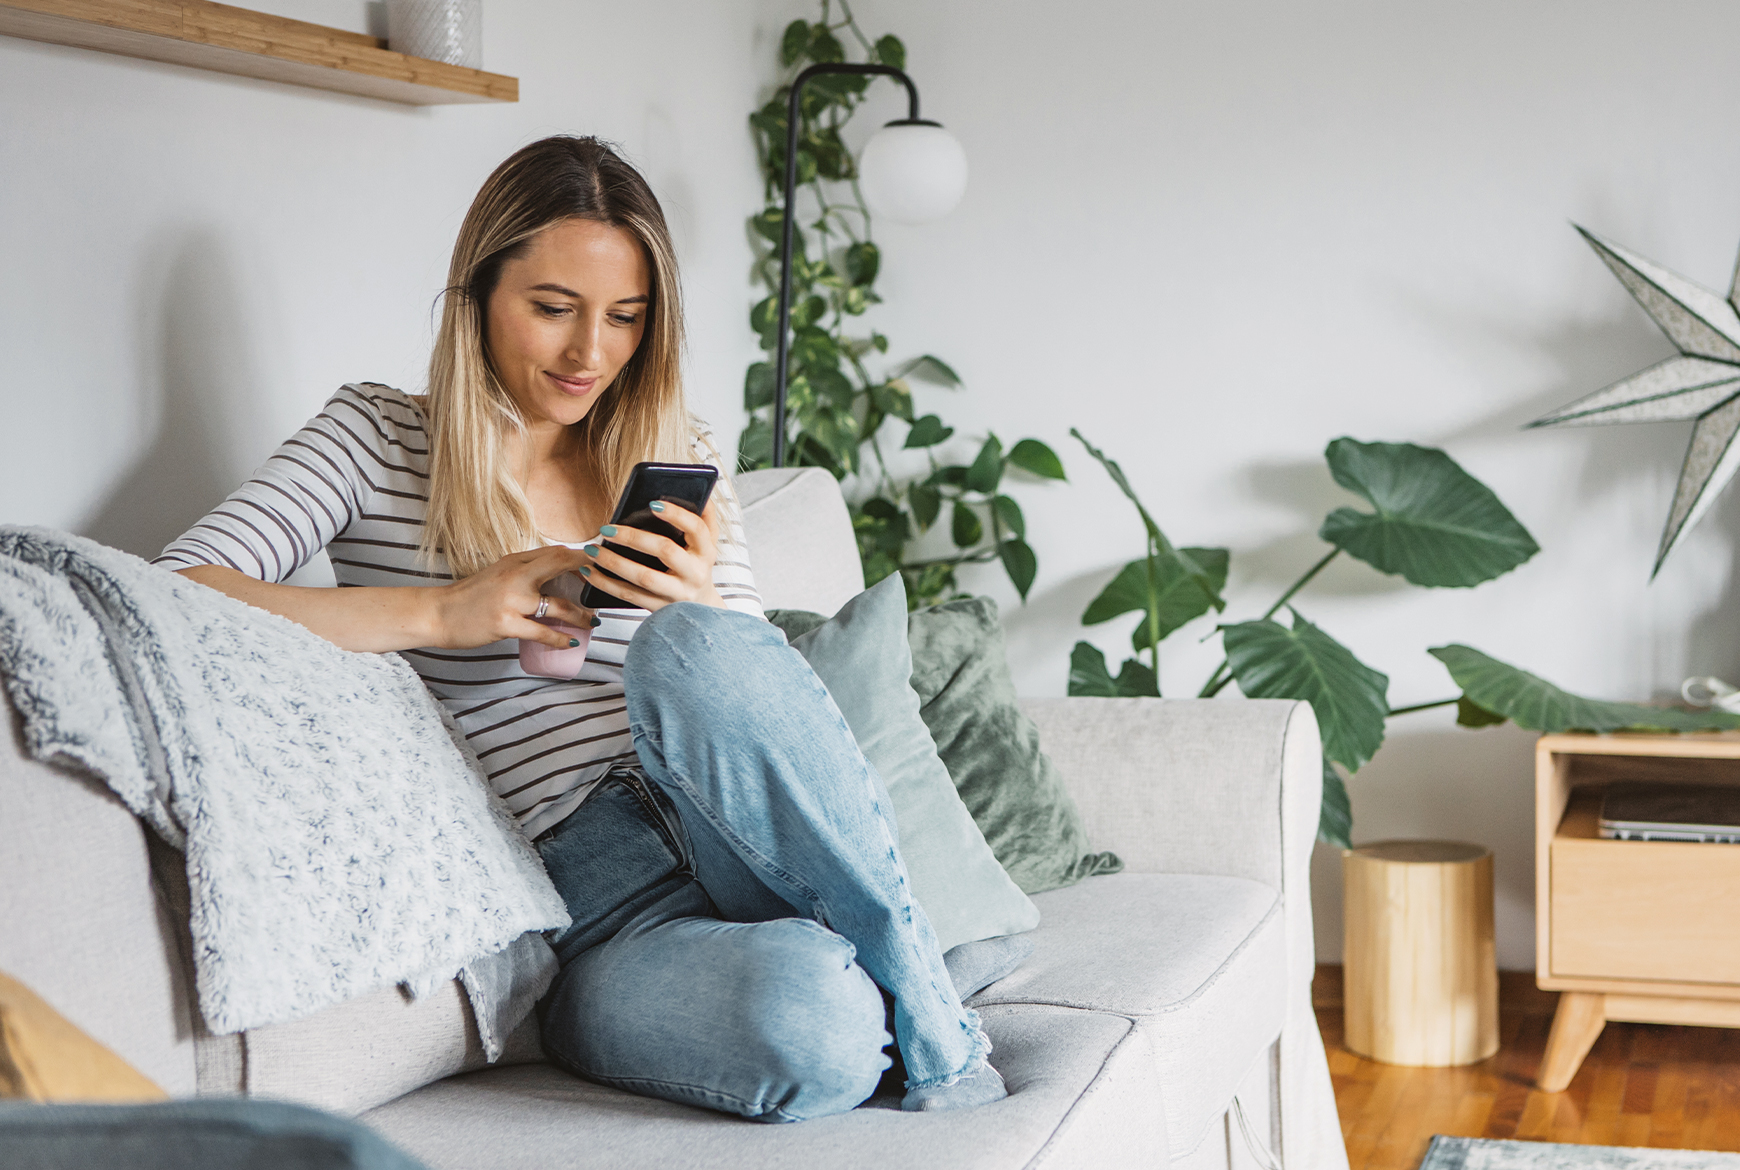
[(686, 484)]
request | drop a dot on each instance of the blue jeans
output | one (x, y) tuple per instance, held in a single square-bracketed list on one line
[(739, 899)]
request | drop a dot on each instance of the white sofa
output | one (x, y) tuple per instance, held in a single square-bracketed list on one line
[(1164, 1018)]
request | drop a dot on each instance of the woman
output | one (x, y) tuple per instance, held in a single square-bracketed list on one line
[(724, 849)]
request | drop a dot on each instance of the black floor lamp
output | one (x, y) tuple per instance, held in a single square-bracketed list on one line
[(912, 170)]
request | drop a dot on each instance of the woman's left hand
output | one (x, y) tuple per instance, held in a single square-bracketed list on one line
[(689, 571)]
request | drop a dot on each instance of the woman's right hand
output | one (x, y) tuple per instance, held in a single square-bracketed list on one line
[(498, 602)]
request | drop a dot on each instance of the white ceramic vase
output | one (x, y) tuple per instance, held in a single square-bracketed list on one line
[(440, 30)]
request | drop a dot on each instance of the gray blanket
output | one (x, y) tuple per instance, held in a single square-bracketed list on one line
[(339, 834)]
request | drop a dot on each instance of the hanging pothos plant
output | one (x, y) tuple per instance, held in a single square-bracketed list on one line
[(1432, 524), (841, 392)]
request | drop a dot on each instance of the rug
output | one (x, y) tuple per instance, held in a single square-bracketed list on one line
[(1461, 1153)]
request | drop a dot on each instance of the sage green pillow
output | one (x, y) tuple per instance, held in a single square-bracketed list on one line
[(991, 750), (862, 657)]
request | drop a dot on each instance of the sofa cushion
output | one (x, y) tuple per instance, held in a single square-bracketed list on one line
[(44, 1057), (83, 926), (1081, 1093), (1199, 963), (1014, 791), (862, 657), (801, 546)]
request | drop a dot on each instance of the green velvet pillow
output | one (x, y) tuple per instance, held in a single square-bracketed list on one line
[(1014, 792), (862, 658)]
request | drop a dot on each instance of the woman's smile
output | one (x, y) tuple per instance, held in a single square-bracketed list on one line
[(573, 384)]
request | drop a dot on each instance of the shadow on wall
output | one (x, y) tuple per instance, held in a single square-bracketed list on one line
[(1713, 640), (1587, 354), (1447, 784), (1478, 785), (203, 366)]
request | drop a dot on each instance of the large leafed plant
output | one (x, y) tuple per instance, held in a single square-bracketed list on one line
[(1430, 523), (848, 407)]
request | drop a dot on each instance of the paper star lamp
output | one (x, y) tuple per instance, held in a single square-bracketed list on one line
[(1703, 383)]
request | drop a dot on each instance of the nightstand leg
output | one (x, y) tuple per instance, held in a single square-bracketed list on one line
[(1576, 1024)]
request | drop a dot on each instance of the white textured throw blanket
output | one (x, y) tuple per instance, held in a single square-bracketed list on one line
[(339, 835)]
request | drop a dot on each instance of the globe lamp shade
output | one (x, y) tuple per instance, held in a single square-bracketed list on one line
[(913, 172)]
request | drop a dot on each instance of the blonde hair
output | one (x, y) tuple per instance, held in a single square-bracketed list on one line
[(478, 512)]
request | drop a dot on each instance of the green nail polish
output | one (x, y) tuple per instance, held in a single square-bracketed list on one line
[(607, 530), (597, 621), (585, 572), (590, 550), (657, 505), (573, 642)]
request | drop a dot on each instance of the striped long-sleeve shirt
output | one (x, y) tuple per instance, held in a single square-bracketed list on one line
[(355, 481)]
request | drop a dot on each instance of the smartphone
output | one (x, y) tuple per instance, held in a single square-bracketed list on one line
[(687, 485)]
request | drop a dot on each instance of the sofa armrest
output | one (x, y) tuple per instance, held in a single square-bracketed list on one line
[(1216, 786)]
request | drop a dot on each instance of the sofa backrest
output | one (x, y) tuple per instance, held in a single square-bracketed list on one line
[(81, 922), (801, 546)]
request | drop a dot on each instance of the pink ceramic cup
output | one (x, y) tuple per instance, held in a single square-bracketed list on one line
[(549, 662)]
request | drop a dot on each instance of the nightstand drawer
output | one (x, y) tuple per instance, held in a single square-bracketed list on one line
[(1656, 910)]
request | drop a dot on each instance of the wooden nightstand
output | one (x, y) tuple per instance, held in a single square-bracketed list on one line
[(1645, 931)]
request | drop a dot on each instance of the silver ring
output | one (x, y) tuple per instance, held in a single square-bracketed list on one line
[(543, 607)]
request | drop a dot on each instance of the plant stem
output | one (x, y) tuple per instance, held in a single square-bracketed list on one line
[(981, 558), (1152, 614), (1216, 681), (1301, 583), (850, 22), (1422, 707)]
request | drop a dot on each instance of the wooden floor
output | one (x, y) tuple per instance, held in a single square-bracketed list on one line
[(1642, 1085)]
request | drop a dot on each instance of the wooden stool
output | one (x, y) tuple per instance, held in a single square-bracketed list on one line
[(1421, 963)]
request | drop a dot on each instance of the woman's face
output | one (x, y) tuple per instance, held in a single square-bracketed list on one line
[(565, 317)]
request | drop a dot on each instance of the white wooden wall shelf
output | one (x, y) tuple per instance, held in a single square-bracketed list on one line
[(252, 44)]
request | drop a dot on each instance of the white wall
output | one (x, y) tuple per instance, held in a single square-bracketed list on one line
[(193, 262), (1217, 236), (1213, 236)]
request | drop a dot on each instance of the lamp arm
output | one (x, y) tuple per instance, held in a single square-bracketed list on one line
[(793, 114)]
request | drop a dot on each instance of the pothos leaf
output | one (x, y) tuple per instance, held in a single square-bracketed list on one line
[(794, 42), (987, 469), (770, 224), (758, 387), (966, 529), (1032, 456), (929, 584), (928, 432), (893, 397), (926, 503), (932, 369), (1020, 563), (862, 261), (824, 47)]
